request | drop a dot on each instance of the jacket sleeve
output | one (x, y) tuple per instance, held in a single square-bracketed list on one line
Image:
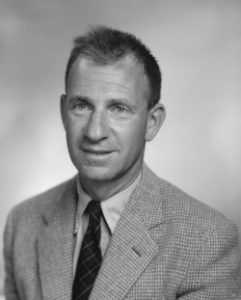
[(10, 289), (215, 271)]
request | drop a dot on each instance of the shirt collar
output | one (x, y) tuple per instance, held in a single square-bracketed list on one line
[(112, 207)]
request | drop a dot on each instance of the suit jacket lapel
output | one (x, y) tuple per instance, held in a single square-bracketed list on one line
[(132, 247), (55, 246)]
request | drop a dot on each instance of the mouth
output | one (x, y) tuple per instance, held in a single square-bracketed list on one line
[(96, 152), (97, 157)]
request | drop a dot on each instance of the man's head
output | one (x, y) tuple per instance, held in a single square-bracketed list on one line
[(107, 111), (105, 46)]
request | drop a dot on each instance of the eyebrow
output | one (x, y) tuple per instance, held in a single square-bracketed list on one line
[(110, 102), (121, 101), (79, 98)]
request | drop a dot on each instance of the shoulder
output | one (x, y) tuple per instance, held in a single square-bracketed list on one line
[(40, 204), (205, 239), (182, 209), (199, 238), (196, 223)]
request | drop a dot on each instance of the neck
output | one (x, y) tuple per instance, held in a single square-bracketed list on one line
[(100, 190)]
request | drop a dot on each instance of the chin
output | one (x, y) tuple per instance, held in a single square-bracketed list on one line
[(96, 173)]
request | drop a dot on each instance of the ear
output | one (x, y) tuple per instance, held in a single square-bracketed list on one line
[(62, 109), (156, 117)]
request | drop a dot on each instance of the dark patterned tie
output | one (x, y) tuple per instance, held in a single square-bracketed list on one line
[(90, 255)]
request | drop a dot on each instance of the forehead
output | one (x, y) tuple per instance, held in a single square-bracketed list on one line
[(125, 75)]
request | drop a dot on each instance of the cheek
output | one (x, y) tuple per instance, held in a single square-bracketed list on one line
[(74, 129), (132, 137)]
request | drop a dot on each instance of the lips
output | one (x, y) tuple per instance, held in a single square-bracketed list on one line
[(96, 151), (97, 157)]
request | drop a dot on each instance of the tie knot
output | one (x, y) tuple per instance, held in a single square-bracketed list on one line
[(94, 209)]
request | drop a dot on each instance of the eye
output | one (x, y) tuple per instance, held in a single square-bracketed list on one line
[(80, 106), (119, 108)]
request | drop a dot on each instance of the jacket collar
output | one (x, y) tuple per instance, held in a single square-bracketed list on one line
[(63, 203), (148, 198)]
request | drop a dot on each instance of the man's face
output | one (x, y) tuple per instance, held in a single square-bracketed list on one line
[(106, 119)]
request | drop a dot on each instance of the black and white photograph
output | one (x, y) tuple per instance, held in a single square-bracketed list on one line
[(120, 149)]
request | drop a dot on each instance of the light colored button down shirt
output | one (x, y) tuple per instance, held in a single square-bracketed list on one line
[(112, 209)]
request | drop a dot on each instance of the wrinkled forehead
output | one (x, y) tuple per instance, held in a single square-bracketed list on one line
[(127, 73)]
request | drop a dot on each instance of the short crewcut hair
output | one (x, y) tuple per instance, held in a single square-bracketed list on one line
[(105, 46)]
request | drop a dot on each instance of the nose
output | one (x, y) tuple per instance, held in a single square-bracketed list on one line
[(97, 127)]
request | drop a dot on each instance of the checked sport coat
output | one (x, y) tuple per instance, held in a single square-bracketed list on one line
[(166, 245)]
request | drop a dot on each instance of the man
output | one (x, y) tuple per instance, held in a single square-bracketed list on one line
[(116, 230)]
